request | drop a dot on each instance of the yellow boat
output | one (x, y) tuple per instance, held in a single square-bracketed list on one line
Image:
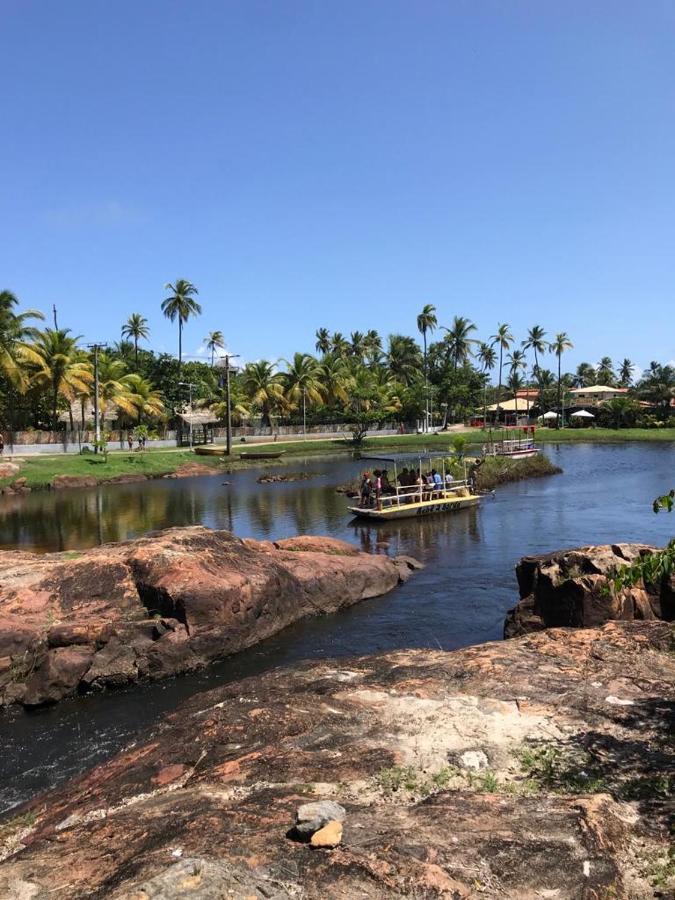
[(419, 500)]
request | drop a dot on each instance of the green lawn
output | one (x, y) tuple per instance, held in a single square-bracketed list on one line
[(41, 470)]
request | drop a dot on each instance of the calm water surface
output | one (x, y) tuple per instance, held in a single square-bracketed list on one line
[(460, 598)]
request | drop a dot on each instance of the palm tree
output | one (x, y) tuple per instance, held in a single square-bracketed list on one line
[(13, 334), (263, 387), (113, 387), (536, 342), (357, 345), (335, 378), (559, 345), (585, 375), (136, 328), (147, 401), (403, 359), (515, 383), (372, 343), (339, 344), (57, 366), (626, 373), (426, 321), (458, 341), (181, 305), (322, 341), (604, 374), (214, 341), (487, 357), (302, 380), (503, 337)]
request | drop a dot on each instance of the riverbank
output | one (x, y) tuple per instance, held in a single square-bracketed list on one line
[(548, 754), (39, 473), (165, 604)]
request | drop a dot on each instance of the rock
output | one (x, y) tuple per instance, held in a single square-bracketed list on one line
[(190, 469), (60, 482), (570, 588), (164, 604), (8, 469), (201, 803), (131, 478), (328, 836), (473, 759), (311, 817)]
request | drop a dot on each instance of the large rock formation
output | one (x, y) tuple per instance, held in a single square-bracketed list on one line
[(571, 588), (525, 769), (167, 603)]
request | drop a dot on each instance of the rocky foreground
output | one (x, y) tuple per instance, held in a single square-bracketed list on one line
[(531, 768), (572, 588), (165, 604)]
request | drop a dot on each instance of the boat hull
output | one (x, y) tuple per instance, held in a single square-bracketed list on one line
[(519, 454), (209, 451), (411, 510)]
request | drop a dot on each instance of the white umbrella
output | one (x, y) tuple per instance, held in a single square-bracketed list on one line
[(582, 414), (550, 415)]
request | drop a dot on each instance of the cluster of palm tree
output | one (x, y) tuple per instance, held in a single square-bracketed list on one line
[(360, 376)]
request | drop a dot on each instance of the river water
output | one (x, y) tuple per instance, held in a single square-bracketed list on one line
[(460, 598)]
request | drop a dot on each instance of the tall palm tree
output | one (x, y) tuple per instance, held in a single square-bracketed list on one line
[(302, 380), (357, 346), (458, 340), (263, 387), (503, 337), (584, 375), (426, 321), (487, 357), (322, 341), (57, 366), (626, 372), (515, 383), (113, 387), (559, 345), (535, 341), (339, 344), (214, 341), (180, 305), (136, 328), (14, 332), (147, 401), (335, 378)]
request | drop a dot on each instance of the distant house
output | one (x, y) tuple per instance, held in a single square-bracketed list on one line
[(595, 394)]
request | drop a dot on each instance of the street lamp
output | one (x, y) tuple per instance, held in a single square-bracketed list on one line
[(227, 357), (189, 385), (97, 425)]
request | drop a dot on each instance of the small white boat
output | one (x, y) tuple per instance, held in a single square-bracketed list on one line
[(516, 442)]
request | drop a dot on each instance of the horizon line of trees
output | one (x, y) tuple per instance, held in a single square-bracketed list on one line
[(47, 378)]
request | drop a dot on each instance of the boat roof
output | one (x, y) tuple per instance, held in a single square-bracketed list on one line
[(407, 457)]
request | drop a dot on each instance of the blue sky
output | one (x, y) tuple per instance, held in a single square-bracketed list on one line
[(313, 164)]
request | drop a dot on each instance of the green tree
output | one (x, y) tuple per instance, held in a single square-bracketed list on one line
[(626, 373), (604, 373), (58, 367), (585, 375), (322, 341), (403, 359), (372, 343), (302, 380), (180, 304), (136, 328), (503, 338), (339, 344), (535, 341), (458, 341), (14, 332), (559, 345), (487, 357), (263, 387), (426, 321), (214, 341)]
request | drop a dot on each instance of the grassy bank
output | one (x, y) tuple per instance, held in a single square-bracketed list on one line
[(496, 471), (40, 471)]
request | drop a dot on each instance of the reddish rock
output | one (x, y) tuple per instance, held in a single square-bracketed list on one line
[(189, 469), (570, 588), (8, 469), (204, 805), (166, 603), (131, 478)]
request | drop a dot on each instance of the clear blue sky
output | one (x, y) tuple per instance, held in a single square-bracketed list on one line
[(341, 164)]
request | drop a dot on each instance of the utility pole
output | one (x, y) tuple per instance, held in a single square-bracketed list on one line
[(97, 425), (56, 324), (304, 414), (228, 401)]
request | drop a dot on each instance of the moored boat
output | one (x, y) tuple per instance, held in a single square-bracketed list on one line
[(210, 450), (516, 442)]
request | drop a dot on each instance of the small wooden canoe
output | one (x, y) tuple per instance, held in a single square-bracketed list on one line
[(209, 451), (262, 455)]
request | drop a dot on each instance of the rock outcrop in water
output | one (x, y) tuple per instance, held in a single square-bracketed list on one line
[(570, 588), (164, 604), (530, 768)]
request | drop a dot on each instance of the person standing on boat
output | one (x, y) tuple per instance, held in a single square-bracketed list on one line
[(365, 490)]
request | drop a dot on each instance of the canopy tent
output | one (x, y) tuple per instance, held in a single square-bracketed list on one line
[(582, 414), (549, 415)]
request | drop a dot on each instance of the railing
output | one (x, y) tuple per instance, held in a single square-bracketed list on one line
[(420, 493)]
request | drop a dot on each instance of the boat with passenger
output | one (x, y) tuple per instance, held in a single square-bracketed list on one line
[(514, 442), (420, 491)]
